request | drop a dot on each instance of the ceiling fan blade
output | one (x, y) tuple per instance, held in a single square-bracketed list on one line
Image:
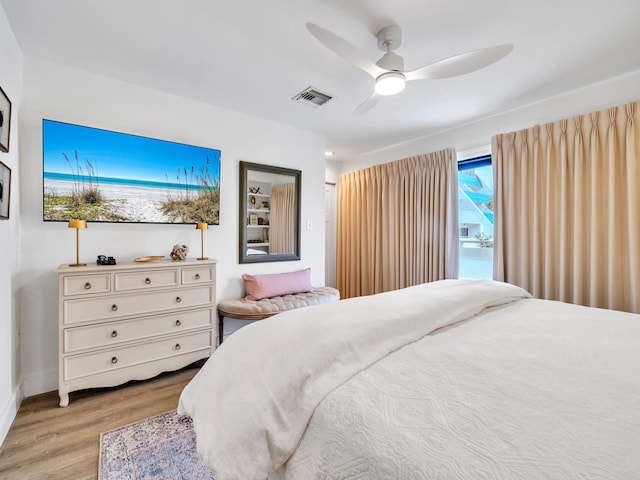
[(368, 104), (348, 52), (460, 64)]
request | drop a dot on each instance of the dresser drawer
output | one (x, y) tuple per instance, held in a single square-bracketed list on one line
[(119, 306), (113, 333), (112, 359), (149, 279), (86, 284), (192, 276)]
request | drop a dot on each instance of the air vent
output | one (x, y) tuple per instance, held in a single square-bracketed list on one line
[(312, 97)]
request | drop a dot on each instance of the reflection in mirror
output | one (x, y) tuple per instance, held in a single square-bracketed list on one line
[(283, 217), (269, 213)]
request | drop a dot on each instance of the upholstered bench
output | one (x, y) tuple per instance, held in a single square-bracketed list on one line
[(244, 309)]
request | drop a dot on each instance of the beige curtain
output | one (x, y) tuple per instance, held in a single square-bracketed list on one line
[(567, 209), (283, 219), (398, 224)]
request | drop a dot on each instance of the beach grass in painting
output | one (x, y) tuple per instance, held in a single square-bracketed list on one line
[(103, 176)]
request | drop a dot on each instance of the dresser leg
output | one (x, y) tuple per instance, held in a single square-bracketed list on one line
[(63, 393), (220, 328)]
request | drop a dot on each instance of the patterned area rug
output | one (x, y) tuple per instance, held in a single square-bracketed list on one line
[(159, 448)]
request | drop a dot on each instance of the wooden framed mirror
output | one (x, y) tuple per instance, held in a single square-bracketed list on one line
[(269, 213)]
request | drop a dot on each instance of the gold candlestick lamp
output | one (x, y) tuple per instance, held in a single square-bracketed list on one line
[(202, 226), (77, 224)]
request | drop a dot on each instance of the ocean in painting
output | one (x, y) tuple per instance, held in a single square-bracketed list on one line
[(50, 178), (55, 180)]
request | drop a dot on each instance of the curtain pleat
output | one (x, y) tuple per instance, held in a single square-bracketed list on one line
[(567, 201), (398, 224), (283, 219)]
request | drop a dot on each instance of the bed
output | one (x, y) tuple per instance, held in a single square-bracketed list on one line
[(456, 379)]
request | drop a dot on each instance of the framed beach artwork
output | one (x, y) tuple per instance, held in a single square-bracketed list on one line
[(104, 176), (5, 191), (5, 121)]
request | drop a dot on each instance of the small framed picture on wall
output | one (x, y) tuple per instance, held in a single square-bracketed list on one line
[(5, 191), (5, 121)]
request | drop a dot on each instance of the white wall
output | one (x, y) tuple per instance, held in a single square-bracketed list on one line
[(332, 171), (59, 93), (10, 386), (476, 135)]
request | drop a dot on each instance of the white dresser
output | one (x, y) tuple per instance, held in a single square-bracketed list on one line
[(132, 321)]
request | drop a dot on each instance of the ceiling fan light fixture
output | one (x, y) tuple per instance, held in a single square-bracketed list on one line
[(390, 83)]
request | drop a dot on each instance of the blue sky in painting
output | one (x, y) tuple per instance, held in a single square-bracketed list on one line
[(119, 155)]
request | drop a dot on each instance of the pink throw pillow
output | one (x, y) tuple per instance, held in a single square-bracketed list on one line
[(276, 284)]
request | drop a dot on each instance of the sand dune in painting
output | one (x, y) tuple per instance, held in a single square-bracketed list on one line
[(136, 203)]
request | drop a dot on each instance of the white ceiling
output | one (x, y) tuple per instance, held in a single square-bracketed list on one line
[(253, 56)]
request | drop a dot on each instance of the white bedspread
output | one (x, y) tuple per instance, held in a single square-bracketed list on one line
[(252, 400), (532, 390)]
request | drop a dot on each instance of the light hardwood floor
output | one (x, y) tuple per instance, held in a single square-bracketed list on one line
[(49, 442)]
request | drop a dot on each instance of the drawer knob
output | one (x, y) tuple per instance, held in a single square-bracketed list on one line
[(147, 280), (178, 299), (114, 334), (177, 346), (114, 359), (197, 276), (87, 286), (114, 308), (178, 323)]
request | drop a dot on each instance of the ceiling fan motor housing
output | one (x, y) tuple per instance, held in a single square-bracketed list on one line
[(392, 62), (389, 38)]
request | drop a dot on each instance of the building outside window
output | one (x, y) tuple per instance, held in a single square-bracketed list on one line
[(475, 213)]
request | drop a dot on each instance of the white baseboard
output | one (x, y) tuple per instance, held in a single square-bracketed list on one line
[(9, 411)]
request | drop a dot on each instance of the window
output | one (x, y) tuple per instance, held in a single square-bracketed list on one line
[(475, 216)]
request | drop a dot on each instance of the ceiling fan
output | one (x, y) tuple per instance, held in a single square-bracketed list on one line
[(389, 72)]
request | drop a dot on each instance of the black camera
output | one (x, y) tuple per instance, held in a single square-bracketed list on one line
[(104, 260)]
